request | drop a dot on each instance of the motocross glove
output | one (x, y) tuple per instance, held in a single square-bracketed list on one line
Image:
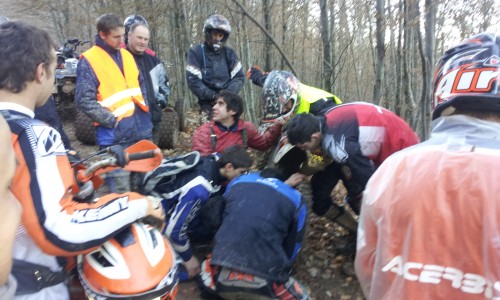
[(254, 71), (119, 154)]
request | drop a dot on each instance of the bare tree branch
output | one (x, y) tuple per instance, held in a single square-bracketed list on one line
[(245, 12)]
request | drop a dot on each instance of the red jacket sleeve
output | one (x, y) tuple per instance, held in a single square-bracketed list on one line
[(259, 141)]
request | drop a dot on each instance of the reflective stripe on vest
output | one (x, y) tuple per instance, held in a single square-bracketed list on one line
[(309, 94), (119, 94)]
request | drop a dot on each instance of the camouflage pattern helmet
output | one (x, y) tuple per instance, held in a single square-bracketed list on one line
[(218, 22), (279, 88)]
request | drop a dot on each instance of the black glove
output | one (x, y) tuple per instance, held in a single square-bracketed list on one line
[(163, 103), (120, 155), (86, 193)]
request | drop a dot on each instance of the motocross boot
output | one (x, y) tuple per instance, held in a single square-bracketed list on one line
[(338, 215)]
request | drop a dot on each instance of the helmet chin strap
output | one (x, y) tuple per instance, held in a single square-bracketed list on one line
[(217, 46)]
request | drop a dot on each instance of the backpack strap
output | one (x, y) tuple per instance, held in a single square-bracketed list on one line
[(213, 138), (244, 137)]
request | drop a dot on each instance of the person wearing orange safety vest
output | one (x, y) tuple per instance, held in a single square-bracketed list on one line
[(111, 91)]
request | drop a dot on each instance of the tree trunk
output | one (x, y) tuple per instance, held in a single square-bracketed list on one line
[(246, 13), (268, 65), (408, 50), (427, 66), (325, 36), (379, 64)]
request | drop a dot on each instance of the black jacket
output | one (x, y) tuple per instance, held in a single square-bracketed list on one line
[(156, 81), (209, 71)]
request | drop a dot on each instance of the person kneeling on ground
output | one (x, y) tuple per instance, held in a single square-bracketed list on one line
[(188, 192), (259, 239)]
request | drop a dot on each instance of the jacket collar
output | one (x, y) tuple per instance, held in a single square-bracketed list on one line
[(101, 43)]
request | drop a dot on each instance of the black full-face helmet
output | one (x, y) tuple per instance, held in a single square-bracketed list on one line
[(216, 22), (467, 76)]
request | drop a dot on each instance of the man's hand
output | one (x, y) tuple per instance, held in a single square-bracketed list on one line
[(192, 266), (295, 179), (120, 155)]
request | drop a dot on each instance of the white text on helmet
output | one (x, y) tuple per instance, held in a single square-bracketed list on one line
[(468, 283), (466, 80)]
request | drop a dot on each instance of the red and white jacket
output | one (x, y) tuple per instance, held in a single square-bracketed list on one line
[(430, 223), (361, 136)]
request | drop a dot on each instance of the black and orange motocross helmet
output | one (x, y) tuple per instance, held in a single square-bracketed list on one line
[(467, 76)]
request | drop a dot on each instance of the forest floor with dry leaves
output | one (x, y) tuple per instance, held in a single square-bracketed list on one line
[(326, 274)]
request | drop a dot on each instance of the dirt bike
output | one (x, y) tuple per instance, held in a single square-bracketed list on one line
[(98, 270), (65, 82)]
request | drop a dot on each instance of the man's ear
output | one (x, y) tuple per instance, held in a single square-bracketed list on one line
[(315, 135), (102, 34), (231, 112), (40, 72), (226, 169)]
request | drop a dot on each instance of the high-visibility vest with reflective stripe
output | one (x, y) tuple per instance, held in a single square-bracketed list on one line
[(308, 95), (117, 91)]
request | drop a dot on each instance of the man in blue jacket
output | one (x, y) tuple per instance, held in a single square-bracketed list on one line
[(259, 239), (212, 66)]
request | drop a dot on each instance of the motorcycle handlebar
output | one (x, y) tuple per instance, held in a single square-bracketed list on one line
[(111, 161), (75, 43), (142, 155)]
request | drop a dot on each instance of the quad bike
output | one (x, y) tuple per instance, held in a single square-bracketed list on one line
[(138, 262), (172, 122), (65, 82)]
